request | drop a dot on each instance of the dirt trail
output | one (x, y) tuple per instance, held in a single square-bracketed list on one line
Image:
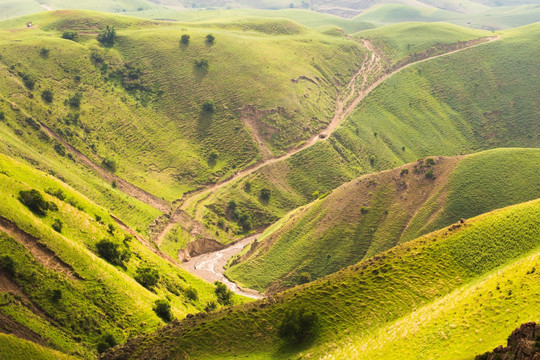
[(211, 267), (41, 252), (123, 185)]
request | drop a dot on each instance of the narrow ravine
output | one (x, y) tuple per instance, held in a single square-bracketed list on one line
[(211, 267)]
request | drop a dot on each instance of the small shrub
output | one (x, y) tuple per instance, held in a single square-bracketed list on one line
[(109, 163), (47, 96), (265, 194), (34, 201), (28, 81), (33, 123), (110, 229), (75, 100), (147, 277), (56, 295), (224, 295), (2, 115), (372, 160), (298, 325), (108, 341), (213, 156), (210, 39), (98, 218), (192, 294), (430, 161), (113, 184), (60, 149), (70, 35), (107, 36), (8, 265), (208, 106), (57, 193), (429, 174), (232, 204), (210, 306), (247, 186), (201, 64), (404, 172), (162, 309), (57, 225), (112, 253), (364, 210), (44, 52), (184, 39)]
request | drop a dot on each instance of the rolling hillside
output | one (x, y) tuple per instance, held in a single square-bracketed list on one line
[(373, 213), (59, 288), (439, 289), (468, 101)]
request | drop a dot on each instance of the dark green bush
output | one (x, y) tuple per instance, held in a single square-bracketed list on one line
[(2, 115), (8, 265), (107, 36), (210, 38), (265, 194), (147, 277), (298, 325), (201, 64), (162, 309), (28, 80), (109, 163), (210, 306), (208, 106), (44, 52), (70, 35), (33, 123), (60, 149), (108, 341), (184, 39), (56, 295), (75, 100), (192, 294), (429, 174), (47, 96), (111, 252), (224, 295), (430, 161), (57, 225), (34, 201)]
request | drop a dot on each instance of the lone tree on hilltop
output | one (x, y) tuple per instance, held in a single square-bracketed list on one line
[(107, 36), (184, 39)]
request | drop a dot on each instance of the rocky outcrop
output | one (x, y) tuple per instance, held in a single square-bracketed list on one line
[(522, 344)]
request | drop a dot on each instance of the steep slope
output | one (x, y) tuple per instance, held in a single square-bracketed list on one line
[(376, 212), (464, 102), (62, 288), (484, 268)]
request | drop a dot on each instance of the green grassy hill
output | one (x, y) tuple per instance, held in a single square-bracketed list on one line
[(436, 291), (143, 109), (57, 289), (376, 212), (465, 102)]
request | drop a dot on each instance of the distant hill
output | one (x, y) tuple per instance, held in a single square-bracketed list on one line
[(371, 214), (439, 289)]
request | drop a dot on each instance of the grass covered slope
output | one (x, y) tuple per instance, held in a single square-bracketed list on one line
[(471, 100), (141, 100), (376, 212), (477, 262), (56, 287)]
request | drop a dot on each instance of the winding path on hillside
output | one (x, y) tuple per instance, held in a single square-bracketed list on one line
[(343, 110)]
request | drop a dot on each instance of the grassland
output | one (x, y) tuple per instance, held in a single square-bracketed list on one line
[(490, 261), (461, 103), (371, 214), (96, 297), (148, 116)]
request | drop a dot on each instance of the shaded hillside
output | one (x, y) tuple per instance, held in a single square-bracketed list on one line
[(376, 212), (468, 101), (448, 281)]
